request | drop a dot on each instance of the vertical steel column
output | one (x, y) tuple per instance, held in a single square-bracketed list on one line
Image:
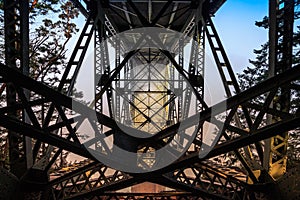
[(179, 89), (128, 74), (124, 113), (200, 64), (102, 68), (118, 82), (196, 65), (12, 59), (180, 79), (98, 71), (272, 63), (281, 19), (172, 108), (24, 30), (106, 67), (197, 62)]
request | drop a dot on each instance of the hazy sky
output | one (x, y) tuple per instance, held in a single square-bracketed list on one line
[(235, 23)]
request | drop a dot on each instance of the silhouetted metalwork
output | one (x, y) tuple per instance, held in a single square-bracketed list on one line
[(189, 177)]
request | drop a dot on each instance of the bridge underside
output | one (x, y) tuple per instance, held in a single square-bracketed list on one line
[(152, 132)]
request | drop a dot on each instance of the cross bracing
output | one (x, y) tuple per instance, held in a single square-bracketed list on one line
[(153, 92)]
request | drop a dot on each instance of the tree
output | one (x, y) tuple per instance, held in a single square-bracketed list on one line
[(48, 41), (258, 72), (51, 28)]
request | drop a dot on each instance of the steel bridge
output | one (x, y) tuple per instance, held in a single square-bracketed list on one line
[(151, 95)]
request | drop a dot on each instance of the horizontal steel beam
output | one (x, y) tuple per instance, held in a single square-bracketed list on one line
[(26, 82), (244, 140), (11, 75), (42, 135), (237, 100), (173, 183)]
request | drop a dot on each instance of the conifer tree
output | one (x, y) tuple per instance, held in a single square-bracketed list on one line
[(258, 72)]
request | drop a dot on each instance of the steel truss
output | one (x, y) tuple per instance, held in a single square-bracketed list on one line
[(16, 32), (290, 121), (281, 30), (191, 176)]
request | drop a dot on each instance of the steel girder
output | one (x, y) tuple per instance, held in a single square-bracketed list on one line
[(281, 47), (204, 181), (287, 123), (16, 22)]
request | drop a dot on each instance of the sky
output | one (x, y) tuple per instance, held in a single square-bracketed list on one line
[(235, 23)]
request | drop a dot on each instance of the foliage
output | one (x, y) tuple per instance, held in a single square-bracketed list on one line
[(258, 71), (51, 28), (49, 39)]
